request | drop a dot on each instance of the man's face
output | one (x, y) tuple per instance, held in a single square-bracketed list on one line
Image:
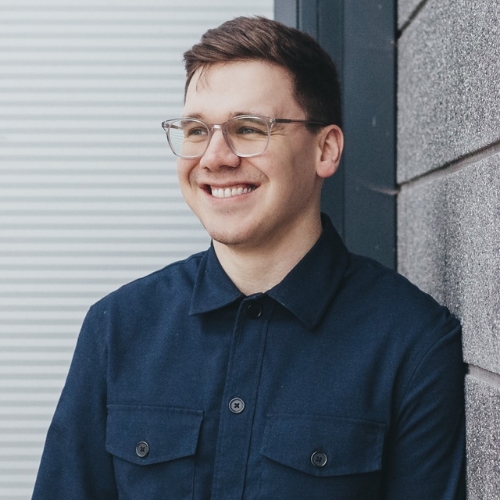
[(251, 203)]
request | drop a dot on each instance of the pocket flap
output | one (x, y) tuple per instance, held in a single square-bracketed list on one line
[(344, 446), (147, 435)]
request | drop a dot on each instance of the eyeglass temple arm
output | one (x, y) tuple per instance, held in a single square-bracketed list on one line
[(309, 122)]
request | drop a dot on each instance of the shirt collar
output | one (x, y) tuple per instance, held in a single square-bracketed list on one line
[(306, 291), (213, 288), (310, 286)]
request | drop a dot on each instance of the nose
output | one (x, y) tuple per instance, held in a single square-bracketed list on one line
[(218, 153)]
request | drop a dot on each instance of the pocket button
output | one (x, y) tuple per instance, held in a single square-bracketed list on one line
[(319, 459), (142, 449)]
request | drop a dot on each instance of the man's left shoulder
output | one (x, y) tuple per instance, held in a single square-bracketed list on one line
[(395, 299)]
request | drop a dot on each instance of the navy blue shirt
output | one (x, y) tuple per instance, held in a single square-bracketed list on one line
[(344, 381)]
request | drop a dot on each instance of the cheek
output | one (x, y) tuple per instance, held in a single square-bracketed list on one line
[(185, 171), (296, 170)]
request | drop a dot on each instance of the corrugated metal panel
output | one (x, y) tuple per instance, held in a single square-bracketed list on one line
[(88, 192)]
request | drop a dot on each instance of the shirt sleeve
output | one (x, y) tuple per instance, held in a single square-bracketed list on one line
[(75, 464), (426, 455)]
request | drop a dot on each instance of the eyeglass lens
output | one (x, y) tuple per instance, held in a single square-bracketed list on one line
[(246, 136)]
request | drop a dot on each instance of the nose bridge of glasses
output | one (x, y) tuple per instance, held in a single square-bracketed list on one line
[(216, 126), (223, 128)]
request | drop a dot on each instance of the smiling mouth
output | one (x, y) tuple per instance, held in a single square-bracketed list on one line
[(230, 192)]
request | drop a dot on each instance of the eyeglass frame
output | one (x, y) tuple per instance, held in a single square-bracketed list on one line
[(270, 122)]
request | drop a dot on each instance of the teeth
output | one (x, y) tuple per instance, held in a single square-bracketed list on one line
[(230, 192)]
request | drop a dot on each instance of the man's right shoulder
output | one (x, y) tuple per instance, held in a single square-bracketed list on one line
[(176, 278)]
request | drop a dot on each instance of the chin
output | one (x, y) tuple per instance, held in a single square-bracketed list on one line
[(233, 231), (226, 236), (227, 239)]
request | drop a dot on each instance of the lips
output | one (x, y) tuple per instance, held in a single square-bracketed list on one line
[(230, 191)]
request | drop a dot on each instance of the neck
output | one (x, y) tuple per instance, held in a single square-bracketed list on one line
[(259, 269)]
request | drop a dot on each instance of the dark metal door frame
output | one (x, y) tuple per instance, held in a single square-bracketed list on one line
[(360, 37)]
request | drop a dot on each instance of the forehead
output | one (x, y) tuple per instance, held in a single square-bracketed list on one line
[(254, 87)]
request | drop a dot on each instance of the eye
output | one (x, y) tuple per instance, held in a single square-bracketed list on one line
[(195, 131), (248, 127), (246, 130)]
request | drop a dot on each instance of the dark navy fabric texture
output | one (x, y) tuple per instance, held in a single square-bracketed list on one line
[(345, 382)]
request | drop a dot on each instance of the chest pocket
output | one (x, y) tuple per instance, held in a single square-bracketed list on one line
[(321, 457), (153, 450)]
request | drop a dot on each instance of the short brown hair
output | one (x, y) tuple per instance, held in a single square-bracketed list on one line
[(316, 84)]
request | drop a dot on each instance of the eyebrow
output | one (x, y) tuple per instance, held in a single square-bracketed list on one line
[(199, 116), (192, 115)]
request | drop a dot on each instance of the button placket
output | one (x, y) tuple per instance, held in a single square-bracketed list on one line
[(240, 393)]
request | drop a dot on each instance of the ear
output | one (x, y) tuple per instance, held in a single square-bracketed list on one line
[(331, 144)]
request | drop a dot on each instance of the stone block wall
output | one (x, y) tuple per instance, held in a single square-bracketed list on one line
[(449, 198)]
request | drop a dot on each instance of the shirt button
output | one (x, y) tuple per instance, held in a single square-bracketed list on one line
[(236, 405), (142, 449), (319, 459), (254, 310)]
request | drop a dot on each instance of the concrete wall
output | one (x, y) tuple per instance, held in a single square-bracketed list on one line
[(449, 201)]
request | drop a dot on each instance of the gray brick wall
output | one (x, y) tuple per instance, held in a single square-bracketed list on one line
[(449, 199)]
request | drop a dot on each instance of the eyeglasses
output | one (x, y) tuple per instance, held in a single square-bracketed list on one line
[(245, 135)]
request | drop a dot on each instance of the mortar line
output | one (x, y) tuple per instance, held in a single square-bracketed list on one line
[(411, 17), (484, 375), (453, 166)]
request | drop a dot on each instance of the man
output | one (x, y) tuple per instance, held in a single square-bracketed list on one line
[(275, 364)]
